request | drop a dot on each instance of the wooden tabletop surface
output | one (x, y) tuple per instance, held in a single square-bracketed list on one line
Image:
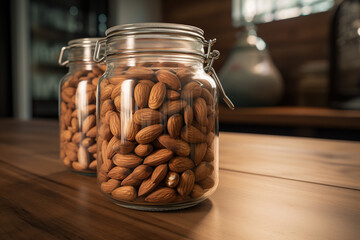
[(270, 188)]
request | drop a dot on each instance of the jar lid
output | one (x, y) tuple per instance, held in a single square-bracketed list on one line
[(80, 49), (153, 28)]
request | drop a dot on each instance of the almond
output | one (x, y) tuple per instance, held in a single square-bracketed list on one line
[(172, 95), (200, 111), (172, 179), (169, 78), (157, 95), (75, 124), (79, 166), (92, 132), (106, 92), (116, 91), (172, 107), (83, 158), (117, 103), (159, 173), (199, 152), (178, 146), (188, 115), (148, 82), (86, 142), (116, 80), (124, 193), (76, 138), (119, 173), (104, 132), (106, 118), (130, 181), (67, 117), (143, 150), (92, 148), (114, 123), (67, 135), (139, 73), (209, 155), (126, 160), (174, 125), (186, 184), (109, 186), (180, 164), (202, 128), (71, 147), (146, 187), (141, 172), (197, 191), (119, 146), (147, 116), (158, 157), (157, 144), (203, 171), (149, 133), (131, 130), (106, 106), (192, 135), (191, 91), (162, 195), (211, 123), (207, 96), (141, 94), (67, 162), (184, 75), (207, 183), (210, 138)]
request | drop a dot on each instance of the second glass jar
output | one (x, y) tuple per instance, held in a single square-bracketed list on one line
[(157, 118)]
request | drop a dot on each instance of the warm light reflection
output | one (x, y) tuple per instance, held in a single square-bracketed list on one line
[(126, 106)]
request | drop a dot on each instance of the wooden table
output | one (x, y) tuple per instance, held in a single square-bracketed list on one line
[(270, 188)]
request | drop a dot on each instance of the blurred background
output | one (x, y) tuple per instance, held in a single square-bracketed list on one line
[(292, 67)]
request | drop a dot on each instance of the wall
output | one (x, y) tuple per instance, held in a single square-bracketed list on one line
[(291, 42)]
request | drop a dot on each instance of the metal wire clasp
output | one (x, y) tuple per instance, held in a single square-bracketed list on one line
[(97, 50), (62, 52), (210, 57)]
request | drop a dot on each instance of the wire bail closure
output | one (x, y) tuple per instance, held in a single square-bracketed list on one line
[(62, 52), (98, 45), (210, 57)]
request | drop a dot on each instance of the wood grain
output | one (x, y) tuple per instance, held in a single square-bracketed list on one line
[(292, 116), (39, 199)]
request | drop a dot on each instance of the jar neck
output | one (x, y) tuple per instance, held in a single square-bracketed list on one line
[(79, 65)]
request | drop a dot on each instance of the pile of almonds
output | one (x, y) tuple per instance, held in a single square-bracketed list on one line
[(156, 134), (77, 119)]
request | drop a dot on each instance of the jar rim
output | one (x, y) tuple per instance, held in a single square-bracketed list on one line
[(83, 42), (155, 27)]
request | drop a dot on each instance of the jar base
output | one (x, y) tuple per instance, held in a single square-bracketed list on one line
[(153, 208)]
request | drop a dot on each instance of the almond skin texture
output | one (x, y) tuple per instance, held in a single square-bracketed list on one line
[(147, 116), (109, 186), (172, 95), (191, 91), (174, 125), (207, 96), (186, 184), (180, 164), (147, 82), (124, 193), (203, 171), (88, 123), (147, 186), (172, 179), (142, 150), (192, 135), (132, 130), (159, 173), (171, 107), (158, 157), (200, 111), (157, 95), (149, 133), (141, 172), (169, 79), (188, 115), (139, 73), (141, 94), (178, 146), (119, 173), (162, 195), (127, 160), (91, 133), (197, 191), (114, 123), (199, 152), (106, 106), (207, 183)]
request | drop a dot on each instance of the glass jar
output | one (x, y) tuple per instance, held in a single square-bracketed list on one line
[(157, 115), (77, 106)]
